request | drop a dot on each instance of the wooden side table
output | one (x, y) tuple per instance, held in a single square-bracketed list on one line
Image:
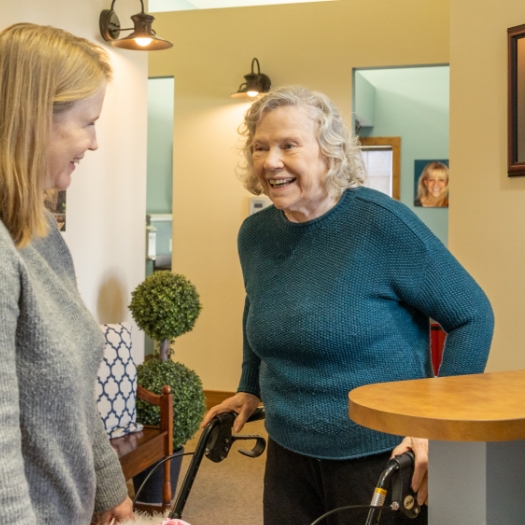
[(476, 424)]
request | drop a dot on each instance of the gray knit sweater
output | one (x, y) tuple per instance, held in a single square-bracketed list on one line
[(56, 464)]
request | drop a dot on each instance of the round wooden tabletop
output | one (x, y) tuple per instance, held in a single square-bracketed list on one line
[(480, 407)]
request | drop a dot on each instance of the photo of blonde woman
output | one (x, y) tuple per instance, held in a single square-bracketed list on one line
[(432, 185)]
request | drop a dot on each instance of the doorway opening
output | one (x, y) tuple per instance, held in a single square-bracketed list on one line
[(411, 103), (381, 156), (159, 185)]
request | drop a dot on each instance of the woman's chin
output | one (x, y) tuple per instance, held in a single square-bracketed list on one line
[(280, 204)]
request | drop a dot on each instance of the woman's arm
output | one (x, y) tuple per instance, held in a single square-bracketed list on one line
[(15, 502), (452, 297), (249, 382), (111, 486)]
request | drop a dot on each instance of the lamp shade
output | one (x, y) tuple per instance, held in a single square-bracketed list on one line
[(256, 84), (143, 37)]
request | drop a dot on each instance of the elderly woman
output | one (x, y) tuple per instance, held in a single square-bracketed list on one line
[(340, 284), (432, 186), (57, 465)]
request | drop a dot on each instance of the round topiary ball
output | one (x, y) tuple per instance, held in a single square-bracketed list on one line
[(189, 403), (165, 305)]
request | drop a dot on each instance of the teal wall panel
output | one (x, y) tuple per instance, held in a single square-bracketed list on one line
[(160, 145), (411, 103)]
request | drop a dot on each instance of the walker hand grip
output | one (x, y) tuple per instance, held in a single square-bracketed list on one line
[(258, 414), (215, 442), (398, 472), (221, 438), (257, 450), (402, 485)]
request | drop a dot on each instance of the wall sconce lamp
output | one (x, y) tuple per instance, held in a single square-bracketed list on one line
[(256, 83), (143, 37)]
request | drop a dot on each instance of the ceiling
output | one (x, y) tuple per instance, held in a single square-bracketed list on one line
[(157, 6)]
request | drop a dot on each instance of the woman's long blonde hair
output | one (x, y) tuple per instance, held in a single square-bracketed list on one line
[(43, 72)]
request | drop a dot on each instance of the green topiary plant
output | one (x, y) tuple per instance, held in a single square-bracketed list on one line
[(189, 403), (165, 306)]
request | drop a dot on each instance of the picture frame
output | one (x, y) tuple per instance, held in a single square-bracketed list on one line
[(429, 170), (516, 101)]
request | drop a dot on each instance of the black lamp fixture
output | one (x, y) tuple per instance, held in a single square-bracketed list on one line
[(256, 83), (143, 37)]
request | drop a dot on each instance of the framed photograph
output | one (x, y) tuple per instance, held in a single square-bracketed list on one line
[(431, 183), (516, 101)]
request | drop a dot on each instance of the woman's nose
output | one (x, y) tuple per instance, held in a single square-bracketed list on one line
[(93, 145), (273, 159)]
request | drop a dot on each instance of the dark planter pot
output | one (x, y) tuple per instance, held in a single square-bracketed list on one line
[(152, 490)]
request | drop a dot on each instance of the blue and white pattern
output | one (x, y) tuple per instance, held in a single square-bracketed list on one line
[(117, 382)]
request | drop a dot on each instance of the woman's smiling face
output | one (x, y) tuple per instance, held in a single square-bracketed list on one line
[(436, 183), (290, 165), (72, 134)]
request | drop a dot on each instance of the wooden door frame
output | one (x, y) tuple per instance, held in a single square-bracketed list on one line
[(395, 144)]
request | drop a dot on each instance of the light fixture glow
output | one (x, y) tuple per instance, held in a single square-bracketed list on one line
[(143, 37), (256, 83), (143, 41)]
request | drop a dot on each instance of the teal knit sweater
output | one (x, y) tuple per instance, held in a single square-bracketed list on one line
[(343, 301)]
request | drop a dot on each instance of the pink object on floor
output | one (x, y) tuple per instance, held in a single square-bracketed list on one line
[(171, 521)]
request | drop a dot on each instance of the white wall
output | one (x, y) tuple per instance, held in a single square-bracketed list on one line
[(106, 203)]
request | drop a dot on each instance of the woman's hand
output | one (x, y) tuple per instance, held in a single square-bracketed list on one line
[(121, 512), (242, 404), (420, 478)]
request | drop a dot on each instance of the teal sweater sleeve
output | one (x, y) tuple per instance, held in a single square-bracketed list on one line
[(450, 296), (251, 362), (345, 300)]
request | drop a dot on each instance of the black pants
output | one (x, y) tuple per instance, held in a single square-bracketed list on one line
[(299, 489)]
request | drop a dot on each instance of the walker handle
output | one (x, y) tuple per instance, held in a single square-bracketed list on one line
[(215, 443)]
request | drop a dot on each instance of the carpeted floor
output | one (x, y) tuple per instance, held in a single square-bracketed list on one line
[(230, 492)]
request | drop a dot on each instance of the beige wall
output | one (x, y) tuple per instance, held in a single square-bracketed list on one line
[(313, 44), (106, 203), (487, 212)]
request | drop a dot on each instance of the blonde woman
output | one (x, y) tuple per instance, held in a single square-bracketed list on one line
[(432, 186), (57, 465)]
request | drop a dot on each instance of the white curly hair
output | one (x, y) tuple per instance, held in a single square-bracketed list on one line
[(345, 163)]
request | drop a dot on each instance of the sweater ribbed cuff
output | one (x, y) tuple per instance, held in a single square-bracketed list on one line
[(111, 488), (249, 382)]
